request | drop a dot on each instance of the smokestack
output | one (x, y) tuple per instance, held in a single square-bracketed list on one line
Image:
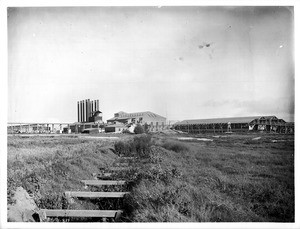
[(86, 111), (81, 109), (90, 110), (97, 104), (78, 112), (83, 103), (92, 103)]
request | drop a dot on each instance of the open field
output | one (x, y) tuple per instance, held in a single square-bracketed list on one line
[(229, 179)]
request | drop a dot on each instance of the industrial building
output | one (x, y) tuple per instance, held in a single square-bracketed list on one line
[(154, 120), (88, 111), (89, 118), (37, 128), (115, 128), (236, 124)]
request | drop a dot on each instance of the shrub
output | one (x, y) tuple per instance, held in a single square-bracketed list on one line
[(123, 148), (139, 129), (142, 145), (175, 146), (139, 146), (146, 127)]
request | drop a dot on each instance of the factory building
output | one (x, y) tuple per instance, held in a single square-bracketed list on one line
[(88, 111), (89, 118), (236, 124), (148, 117)]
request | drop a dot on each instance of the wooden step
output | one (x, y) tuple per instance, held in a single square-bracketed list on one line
[(103, 182), (95, 194), (80, 213)]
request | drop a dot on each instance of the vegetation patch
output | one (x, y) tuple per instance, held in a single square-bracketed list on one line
[(175, 146), (170, 181)]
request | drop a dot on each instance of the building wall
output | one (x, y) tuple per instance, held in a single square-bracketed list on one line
[(110, 129), (156, 121)]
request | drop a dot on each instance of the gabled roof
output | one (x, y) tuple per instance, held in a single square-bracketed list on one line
[(124, 115), (224, 120)]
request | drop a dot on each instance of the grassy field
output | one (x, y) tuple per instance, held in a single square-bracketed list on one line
[(230, 179)]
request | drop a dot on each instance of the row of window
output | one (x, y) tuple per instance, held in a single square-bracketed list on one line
[(130, 115)]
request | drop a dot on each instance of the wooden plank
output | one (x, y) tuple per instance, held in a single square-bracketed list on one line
[(80, 213), (96, 194), (103, 182)]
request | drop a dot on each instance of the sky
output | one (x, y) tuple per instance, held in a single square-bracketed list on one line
[(179, 62)]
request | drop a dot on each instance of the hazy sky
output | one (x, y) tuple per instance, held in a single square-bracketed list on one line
[(179, 62)]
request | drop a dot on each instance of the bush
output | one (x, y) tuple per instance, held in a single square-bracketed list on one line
[(146, 127), (139, 146), (142, 145), (123, 148), (175, 146), (139, 129)]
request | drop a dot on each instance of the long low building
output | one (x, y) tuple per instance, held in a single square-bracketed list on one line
[(258, 123)]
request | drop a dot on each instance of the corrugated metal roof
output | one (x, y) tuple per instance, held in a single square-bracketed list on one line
[(222, 120), (135, 115)]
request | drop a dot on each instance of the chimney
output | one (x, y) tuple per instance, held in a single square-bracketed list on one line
[(92, 104), (78, 112), (86, 111), (83, 103), (81, 113)]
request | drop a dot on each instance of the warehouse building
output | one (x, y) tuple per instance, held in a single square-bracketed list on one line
[(236, 124), (138, 117), (155, 121)]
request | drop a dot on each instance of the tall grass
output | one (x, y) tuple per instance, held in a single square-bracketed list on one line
[(212, 183), (138, 146), (46, 171), (227, 180), (175, 146)]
